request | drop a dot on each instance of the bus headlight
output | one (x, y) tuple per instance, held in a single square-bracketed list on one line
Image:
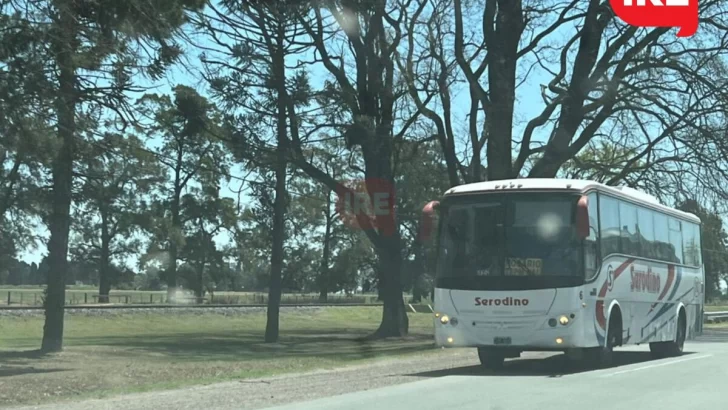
[(454, 321), (564, 320), (444, 319)]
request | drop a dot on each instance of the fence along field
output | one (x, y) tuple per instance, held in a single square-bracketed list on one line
[(87, 296)]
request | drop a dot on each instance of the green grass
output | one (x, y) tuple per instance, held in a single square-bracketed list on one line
[(710, 308), (127, 353)]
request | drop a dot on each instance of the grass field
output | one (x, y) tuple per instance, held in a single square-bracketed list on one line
[(126, 353), (85, 295)]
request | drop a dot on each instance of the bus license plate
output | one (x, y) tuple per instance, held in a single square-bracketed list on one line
[(502, 340)]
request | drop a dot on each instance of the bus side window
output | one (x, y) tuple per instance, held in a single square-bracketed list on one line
[(609, 225), (691, 244), (645, 223), (662, 243), (675, 238), (629, 229), (591, 243)]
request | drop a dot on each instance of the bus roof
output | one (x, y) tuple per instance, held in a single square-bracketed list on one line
[(577, 185)]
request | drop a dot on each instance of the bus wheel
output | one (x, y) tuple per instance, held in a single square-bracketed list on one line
[(657, 350), (603, 356), (661, 350), (675, 348), (491, 359)]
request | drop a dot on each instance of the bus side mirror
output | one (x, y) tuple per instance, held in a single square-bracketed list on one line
[(582, 217), (428, 220)]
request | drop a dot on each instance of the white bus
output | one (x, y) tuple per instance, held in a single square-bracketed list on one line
[(563, 265)]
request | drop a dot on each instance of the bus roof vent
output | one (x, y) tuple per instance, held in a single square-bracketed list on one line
[(639, 194)]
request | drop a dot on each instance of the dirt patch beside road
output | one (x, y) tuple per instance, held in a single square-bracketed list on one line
[(251, 394)]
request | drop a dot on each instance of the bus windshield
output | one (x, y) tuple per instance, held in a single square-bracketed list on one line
[(509, 241)]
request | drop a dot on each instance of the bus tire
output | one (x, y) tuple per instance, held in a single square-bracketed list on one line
[(603, 356), (657, 350), (675, 347), (491, 359), (661, 350)]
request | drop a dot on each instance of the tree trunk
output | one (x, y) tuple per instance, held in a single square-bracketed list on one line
[(200, 291), (371, 100), (279, 204), (171, 276), (395, 322), (326, 256), (416, 293), (324, 274), (388, 242), (502, 44), (60, 218), (276, 263), (418, 266), (104, 280), (238, 271)]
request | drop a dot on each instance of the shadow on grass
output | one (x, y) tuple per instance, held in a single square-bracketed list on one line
[(553, 366), (20, 357), (15, 363), (17, 371), (21, 354), (334, 344)]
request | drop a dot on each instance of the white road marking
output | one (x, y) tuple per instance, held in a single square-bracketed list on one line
[(657, 365)]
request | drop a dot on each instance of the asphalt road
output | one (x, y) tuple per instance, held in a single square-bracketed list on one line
[(697, 380), (453, 380)]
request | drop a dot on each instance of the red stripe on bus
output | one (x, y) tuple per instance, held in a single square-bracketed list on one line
[(670, 278), (600, 315), (617, 272), (601, 319)]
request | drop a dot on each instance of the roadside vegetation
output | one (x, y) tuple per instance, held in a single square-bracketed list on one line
[(121, 353)]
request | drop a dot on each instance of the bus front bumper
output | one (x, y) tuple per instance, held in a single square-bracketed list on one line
[(471, 334)]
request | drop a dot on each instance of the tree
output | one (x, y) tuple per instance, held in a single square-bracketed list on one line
[(25, 134), (258, 38), (422, 176), (119, 174), (192, 151), (362, 106), (87, 53), (714, 246), (608, 163), (204, 214), (601, 81), (315, 205)]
